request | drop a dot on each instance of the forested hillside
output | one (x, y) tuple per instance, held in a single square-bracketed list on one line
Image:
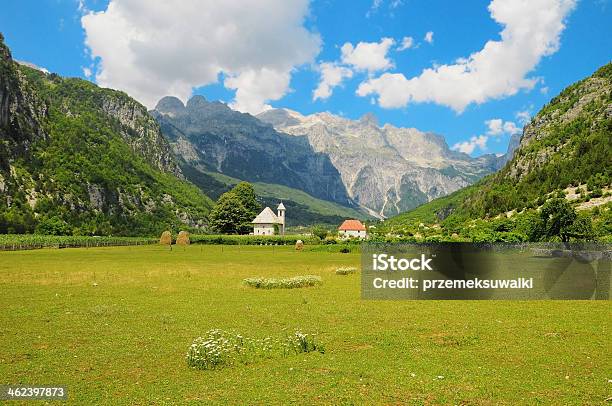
[(78, 159), (565, 152)]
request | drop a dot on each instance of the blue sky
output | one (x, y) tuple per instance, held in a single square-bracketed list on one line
[(272, 55)]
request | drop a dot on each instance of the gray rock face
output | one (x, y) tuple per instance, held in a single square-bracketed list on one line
[(141, 132), (578, 100), (20, 112), (386, 170), (171, 106), (211, 137)]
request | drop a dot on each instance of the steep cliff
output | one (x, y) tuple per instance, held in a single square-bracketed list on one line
[(211, 137), (21, 113)]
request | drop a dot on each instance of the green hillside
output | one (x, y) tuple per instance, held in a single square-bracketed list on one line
[(565, 151), (302, 208), (78, 159)]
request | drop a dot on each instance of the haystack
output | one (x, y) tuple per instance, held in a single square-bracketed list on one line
[(299, 245), (183, 238), (166, 238)]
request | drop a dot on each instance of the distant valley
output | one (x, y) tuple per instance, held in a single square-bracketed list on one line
[(359, 166), (77, 158)]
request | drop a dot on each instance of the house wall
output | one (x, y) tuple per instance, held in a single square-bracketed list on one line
[(263, 229), (353, 234)]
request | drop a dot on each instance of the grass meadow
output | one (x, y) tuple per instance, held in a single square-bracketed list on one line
[(114, 326)]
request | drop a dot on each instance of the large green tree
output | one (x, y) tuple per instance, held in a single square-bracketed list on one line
[(235, 210), (559, 220), (245, 193)]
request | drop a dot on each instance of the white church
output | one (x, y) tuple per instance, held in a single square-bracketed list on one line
[(265, 221)]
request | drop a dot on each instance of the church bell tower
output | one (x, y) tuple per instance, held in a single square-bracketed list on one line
[(281, 217)]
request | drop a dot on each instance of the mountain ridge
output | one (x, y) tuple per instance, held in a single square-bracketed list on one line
[(565, 150), (210, 138), (385, 169)]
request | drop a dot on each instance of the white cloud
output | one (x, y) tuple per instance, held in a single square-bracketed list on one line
[(531, 30), (497, 126), (511, 128), (523, 116), (253, 87), (407, 43), (369, 56), (429, 37), (152, 49), (87, 72), (332, 75), (467, 147)]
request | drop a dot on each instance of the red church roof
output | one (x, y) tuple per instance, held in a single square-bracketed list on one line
[(352, 225)]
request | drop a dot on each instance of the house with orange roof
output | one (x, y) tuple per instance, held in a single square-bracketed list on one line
[(352, 229)]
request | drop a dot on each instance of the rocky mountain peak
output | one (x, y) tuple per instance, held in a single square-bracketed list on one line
[(171, 106), (197, 102), (369, 119), (386, 169), (199, 106), (281, 117), (213, 137)]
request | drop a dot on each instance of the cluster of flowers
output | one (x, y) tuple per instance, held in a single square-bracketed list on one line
[(345, 271), (283, 283), (218, 348)]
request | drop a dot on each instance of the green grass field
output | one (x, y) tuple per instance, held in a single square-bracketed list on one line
[(114, 325)]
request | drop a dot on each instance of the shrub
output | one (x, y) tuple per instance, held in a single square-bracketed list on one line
[(556, 219), (218, 348), (597, 192), (481, 236), (53, 226), (345, 250), (346, 271), (283, 283), (320, 232), (221, 239), (511, 237), (330, 240)]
